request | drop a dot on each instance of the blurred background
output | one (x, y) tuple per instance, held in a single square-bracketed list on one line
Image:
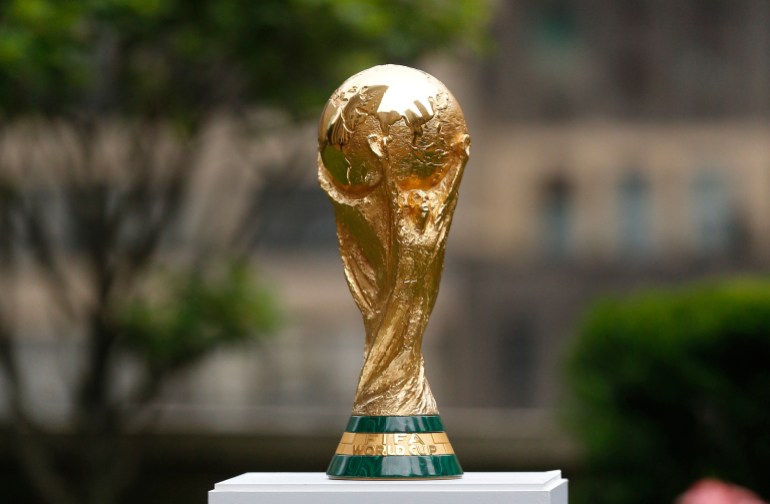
[(173, 310)]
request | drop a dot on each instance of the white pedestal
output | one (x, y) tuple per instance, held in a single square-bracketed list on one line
[(316, 488)]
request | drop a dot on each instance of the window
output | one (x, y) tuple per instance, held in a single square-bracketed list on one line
[(517, 361), (555, 59), (634, 216), (711, 213), (632, 63), (555, 26), (557, 217)]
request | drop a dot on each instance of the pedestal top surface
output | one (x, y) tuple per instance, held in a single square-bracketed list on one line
[(320, 482)]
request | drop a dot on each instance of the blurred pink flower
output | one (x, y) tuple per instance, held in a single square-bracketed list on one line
[(713, 491)]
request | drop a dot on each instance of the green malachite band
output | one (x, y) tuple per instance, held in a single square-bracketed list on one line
[(434, 459), (430, 423), (383, 467)]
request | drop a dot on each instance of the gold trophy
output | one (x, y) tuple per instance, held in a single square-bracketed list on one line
[(392, 145)]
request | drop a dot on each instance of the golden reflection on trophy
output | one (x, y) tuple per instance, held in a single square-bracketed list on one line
[(392, 148)]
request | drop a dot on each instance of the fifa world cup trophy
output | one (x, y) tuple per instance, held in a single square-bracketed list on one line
[(393, 145)]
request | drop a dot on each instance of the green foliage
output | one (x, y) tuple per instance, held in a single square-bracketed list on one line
[(669, 387), (180, 58), (194, 315)]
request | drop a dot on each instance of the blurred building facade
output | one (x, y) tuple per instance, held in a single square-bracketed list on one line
[(622, 145)]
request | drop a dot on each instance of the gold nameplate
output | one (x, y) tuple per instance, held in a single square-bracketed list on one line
[(400, 443)]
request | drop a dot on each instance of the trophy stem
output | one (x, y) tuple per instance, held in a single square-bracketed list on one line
[(394, 448)]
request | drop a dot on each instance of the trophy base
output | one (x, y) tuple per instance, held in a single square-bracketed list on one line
[(394, 448)]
